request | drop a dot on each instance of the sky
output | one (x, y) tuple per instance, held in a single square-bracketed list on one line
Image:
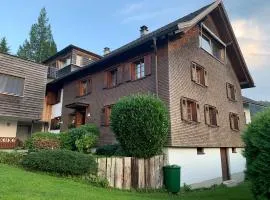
[(93, 25)]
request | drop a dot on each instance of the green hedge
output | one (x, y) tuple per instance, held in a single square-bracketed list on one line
[(11, 158), (110, 150), (140, 123), (80, 139), (257, 153), (63, 162), (43, 140)]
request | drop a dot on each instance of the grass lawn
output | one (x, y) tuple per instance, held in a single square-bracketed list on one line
[(18, 184)]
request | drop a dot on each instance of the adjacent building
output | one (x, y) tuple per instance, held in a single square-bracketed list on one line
[(196, 67), (22, 90), (60, 65)]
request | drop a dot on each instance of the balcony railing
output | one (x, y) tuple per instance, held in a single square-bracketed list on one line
[(52, 72), (8, 142)]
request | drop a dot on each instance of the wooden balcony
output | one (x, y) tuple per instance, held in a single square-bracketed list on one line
[(8, 142)]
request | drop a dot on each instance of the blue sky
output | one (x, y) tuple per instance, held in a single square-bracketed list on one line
[(95, 24)]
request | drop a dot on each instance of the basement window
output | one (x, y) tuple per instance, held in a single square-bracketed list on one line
[(200, 151), (234, 150)]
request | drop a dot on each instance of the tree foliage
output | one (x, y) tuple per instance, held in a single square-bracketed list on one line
[(257, 153), (140, 123), (4, 48), (40, 45)]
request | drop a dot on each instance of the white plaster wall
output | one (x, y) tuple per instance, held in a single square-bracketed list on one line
[(247, 113), (8, 128), (54, 131), (57, 108), (237, 161), (197, 168)]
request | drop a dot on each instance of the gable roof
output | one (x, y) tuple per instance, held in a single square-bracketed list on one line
[(251, 101), (181, 25), (68, 49)]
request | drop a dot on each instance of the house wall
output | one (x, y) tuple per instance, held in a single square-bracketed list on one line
[(181, 52), (30, 105), (100, 97), (237, 164), (8, 128), (57, 108), (247, 113), (196, 168)]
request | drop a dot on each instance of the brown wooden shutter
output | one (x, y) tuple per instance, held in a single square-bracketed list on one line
[(133, 71), (51, 98), (148, 64), (217, 117), (127, 72), (234, 93), (184, 109), (205, 78), (102, 117), (89, 86), (78, 88), (207, 114), (193, 72), (78, 119), (228, 90), (120, 73), (105, 82), (198, 112), (231, 121)]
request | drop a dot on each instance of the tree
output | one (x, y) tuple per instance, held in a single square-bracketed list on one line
[(257, 153), (141, 125), (40, 45), (4, 48)]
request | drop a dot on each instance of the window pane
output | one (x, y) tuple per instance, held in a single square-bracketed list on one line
[(205, 43), (11, 85)]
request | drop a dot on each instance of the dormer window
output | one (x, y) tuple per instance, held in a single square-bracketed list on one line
[(212, 44)]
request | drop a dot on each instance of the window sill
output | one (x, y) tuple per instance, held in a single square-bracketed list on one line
[(204, 86), (83, 95), (13, 95), (213, 126), (222, 62), (235, 130), (191, 122), (200, 154), (232, 100)]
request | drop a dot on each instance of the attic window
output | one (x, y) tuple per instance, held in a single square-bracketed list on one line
[(212, 44)]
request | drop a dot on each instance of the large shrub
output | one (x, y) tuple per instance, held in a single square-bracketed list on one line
[(11, 158), (43, 140), (60, 161), (110, 150), (80, 139), (257, 153), (140, 123)]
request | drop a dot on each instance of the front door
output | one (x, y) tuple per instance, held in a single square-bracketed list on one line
[(79, 118), (224, 164)]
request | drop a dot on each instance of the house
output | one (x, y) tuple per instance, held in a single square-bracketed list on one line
[(22, 90), (251, 108), (69, 59), (196, 67)]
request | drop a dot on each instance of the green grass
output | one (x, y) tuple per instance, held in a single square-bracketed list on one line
[(19, 184)]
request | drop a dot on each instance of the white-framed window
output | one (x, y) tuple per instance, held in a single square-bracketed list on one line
[(212, 44), (139, 69), (11, 85), (79, 60)]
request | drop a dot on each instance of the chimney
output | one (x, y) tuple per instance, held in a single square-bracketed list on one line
[(106, 51), (144, 30)]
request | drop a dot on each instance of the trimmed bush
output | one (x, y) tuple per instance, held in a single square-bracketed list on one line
[(11, 158), (80, 139), (257, 153), (42, 140), (63, 162), (140, 123), (107, 150)]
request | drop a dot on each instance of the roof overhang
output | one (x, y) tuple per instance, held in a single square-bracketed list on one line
[(77, 105)]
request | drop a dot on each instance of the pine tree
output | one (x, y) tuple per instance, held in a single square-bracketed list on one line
[(4, 48), (40, 45)]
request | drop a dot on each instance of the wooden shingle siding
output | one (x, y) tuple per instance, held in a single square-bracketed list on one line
[(182, 51), (31, 104)]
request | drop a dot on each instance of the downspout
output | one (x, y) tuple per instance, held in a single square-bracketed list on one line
[(156, 70)]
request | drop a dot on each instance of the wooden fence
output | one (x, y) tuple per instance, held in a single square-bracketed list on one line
[(8, 142), (129, 172)]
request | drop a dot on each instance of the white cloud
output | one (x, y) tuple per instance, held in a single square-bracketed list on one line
[(254, 42), (131, 8)]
